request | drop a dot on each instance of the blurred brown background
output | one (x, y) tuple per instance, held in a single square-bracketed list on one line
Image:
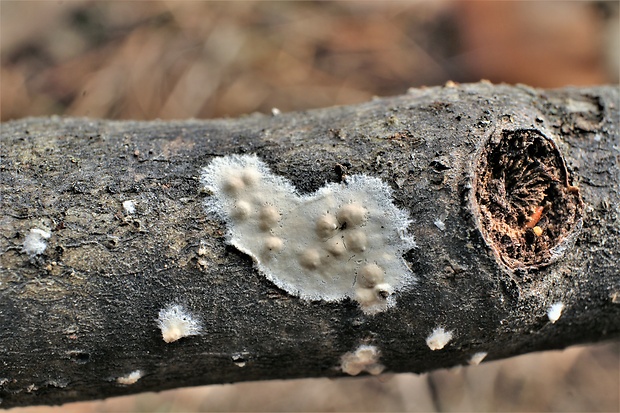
[(175, 60)]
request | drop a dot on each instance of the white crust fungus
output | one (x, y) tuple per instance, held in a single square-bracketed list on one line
[(555, 311), (477, 358), (129, 206), (131, 378), (364, 358), (34, 243), (438, 338), (345, 240), (175, 323)]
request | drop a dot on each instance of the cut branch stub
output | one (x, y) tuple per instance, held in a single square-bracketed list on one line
[(527, 207)]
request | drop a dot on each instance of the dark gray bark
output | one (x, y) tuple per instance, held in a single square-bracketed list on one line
[(82, 314)]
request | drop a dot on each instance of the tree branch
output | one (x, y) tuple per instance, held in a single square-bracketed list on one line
[(512, 194)]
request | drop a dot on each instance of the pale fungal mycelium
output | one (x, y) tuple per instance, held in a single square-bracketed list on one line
[(438, 338), (345, 240), (175, 322), (35, 242), (364, 358), (129, 206)]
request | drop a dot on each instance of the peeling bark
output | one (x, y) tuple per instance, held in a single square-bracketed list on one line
[(79, 320)]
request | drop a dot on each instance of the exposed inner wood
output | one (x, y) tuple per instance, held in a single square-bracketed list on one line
[(526, 202)]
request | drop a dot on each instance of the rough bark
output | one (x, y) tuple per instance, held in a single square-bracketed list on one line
[(82, 314)]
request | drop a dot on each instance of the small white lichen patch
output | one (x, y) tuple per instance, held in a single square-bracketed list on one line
[(175, 323), (364, 358), (131, 378), (477, 358), (555, 311), (129, 206), (35, 243), (345, 240), (438, 338)]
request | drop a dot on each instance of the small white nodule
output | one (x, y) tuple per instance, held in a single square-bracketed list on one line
[(34, 243), (440, 224), (438, 338), (129, 206), (477, 358), (175, 323), (131, 378), (555, 312), (364, 358)]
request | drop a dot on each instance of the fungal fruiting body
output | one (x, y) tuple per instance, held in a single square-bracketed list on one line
[(438, 338), (345, 240), (555, 311), (35, 242), (131, 378), (364, 358), (129, 206), (477, 358), (175, 323)]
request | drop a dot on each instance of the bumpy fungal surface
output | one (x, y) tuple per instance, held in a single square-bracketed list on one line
[(345, 240)]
